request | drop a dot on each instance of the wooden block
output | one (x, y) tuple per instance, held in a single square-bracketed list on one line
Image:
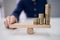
[(30, 31), (18, 25)]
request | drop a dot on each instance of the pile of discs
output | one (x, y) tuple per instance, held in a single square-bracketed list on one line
[(41, 19)]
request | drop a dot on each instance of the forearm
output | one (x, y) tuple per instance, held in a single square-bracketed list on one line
[(18, 10)]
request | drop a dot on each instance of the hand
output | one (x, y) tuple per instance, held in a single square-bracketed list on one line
[(10, 20)]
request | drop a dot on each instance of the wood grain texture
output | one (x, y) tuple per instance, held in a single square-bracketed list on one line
[(18, 25)]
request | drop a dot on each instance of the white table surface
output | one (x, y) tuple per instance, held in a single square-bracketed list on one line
[(52, 33)]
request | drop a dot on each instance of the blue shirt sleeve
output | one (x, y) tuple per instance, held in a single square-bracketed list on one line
[(18, 9), (45, 1)]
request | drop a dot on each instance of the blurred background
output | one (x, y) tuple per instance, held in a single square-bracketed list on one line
[(7, 7), (53, 33)]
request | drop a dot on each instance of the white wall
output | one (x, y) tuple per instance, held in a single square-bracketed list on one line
[(9, 6), (1, 9), (55, 8), (1, 0)]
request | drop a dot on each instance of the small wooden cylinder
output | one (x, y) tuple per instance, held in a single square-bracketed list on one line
[(30, 31), (41, 18), (47, 14)]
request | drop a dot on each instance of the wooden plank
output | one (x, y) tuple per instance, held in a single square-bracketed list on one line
[(18, 25)]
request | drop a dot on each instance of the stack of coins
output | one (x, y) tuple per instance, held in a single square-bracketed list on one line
[(38, 21), (47, 14), (44, 21), (35, 21), (41, 18)]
